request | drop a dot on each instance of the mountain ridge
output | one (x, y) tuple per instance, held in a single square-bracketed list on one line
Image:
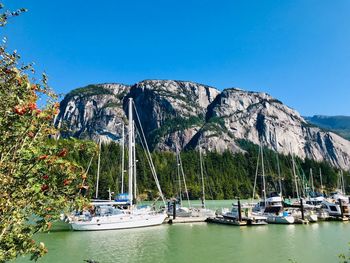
[(180, 114), (339, 124)]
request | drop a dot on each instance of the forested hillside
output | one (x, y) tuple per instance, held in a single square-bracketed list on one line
[(337, 124), (227, 175)]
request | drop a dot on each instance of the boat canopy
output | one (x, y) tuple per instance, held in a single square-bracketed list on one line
[(122, 198)]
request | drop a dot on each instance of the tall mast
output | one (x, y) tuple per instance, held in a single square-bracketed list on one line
[(321, 180), (201, 164), (278, 165), (184, 180), (263, 172), (178, 174), (342, 174), (134, 162), (131, 148), (295, 175), (312, 181), (342, 180), (256, 172), (98, 168), (123, 157)]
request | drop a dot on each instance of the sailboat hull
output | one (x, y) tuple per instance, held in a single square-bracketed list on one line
[(119, 222)]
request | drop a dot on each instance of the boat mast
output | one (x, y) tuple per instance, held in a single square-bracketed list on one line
[(278, 165), (263, 172), (312, 181), (130, 135), (123, 157), (134, 162), (98, 168), (256, 172), (295, 175), (201, 164), (321, 180), (342, 185), (178, 174), (184, 180), (342, 176)]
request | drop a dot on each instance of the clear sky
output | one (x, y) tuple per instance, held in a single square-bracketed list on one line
[(296, 50)]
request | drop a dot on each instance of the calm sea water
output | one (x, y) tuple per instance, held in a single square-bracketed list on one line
[(201, 242)]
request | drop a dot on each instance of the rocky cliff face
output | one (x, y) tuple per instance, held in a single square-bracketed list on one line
[(178, 114)]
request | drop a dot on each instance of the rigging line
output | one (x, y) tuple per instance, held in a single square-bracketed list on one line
[(150, 157), (256, 173), (294, 173), (87, 170), (144, 148), (149, 160), (208, 180), (98, 168), (300, 176), (184, 180), (278, 165), (202, 175), (270, 174), (178, 174), (263, 173)]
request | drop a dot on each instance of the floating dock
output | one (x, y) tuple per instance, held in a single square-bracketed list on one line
[(226, 221), (190, 219), (301, 221)]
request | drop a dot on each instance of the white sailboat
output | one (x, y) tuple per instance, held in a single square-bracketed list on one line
[(107, 215), (199, 213), (271, 207), (337, 204)]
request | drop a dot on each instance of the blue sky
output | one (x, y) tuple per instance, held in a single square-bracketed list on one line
[(296, 50)]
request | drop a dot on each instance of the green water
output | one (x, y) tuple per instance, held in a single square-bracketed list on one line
[(202, 242)]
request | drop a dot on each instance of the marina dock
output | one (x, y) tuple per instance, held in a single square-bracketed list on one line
[(225, 221), (182, 220)]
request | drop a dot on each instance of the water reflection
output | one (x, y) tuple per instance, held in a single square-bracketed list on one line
[(203, 243)]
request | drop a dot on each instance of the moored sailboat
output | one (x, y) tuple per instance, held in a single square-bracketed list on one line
[(191, 213), (116, 215)]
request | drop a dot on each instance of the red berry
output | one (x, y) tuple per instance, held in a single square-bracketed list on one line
[(43, 157), (66, 182), (32, 106), (19, 110), (44, 187), (63, 152)]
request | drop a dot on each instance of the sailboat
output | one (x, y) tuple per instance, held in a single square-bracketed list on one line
[(179, 210), (270, 206), (110, 215), (203, 211), (199, 214), (337, 204)]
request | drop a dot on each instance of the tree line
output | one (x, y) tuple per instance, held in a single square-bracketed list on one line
[(226, 175)]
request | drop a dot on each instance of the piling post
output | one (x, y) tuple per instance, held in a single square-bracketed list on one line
[(302, 209), (174, 209), (239, 211)]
